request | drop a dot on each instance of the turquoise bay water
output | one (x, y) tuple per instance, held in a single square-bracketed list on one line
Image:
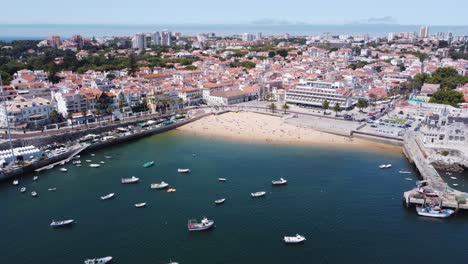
[(349, 210)]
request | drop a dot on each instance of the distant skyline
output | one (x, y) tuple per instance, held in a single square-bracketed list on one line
[(273, 12)]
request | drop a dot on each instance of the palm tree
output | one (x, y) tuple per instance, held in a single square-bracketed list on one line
[(272, 107), (84, 113), (285, 107), (325, 106), (362, 104), (337, 108)]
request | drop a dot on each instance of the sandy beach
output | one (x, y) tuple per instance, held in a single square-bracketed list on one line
[(253, 127)]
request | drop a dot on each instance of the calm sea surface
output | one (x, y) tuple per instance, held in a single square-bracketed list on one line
[(349, 210)]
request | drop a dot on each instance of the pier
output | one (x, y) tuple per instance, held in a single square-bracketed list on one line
[(74, 153), (448, 197)]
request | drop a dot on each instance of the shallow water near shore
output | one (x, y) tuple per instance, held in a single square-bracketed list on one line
[(349, 209)]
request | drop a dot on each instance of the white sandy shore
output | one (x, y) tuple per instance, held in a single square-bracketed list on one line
[(253, 127)]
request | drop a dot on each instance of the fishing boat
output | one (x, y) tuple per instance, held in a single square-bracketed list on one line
[(33, 194), (94, 165), (61, 223), (23, 189), (221, 179), (161, 185), (258, 194), (52, 189), (205, 224), (434, 211), (15, 182), (220, 201), (281, 181), (148, 164), (428, 192), (139, 205), (294, 239), (132, 179), (35, 178), (98, 260), (107, 197), (63, 170), (404, 172), (183, 170), (171, 190)]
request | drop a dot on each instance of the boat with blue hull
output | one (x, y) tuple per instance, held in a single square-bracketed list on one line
[(434, 211)]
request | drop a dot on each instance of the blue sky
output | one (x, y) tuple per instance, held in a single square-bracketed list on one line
[(408, 12)]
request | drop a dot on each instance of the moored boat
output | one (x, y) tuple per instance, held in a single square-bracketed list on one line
[(108, 196), (434, 211), (139, 205), (221, 179), (258, 194), (35, 178), (132, 179), (102, 162), (98, 260), (183, 170), (205, 224), (108, 157), (52, 189), (385, 166), (94, 165), (404, 172), (33, 194), (294, 239), (61, 223), (49, 167), (148, 164), (23, 189), (63, 170), (281, 181), (15, 182), (220, 201), (88, 161), (171, 190), (161, 185)]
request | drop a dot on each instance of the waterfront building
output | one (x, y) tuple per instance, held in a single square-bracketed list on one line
[(70, 103), (314, 93), (234, 96), (33, 89), (139, 41), (23, 112), (9, 92)]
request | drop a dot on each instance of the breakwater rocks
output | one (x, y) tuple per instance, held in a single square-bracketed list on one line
[(448, 167)]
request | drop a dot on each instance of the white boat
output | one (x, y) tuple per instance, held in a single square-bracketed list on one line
[(205, 224), (63, 169), (455, 184), (98, 260), (23, 189), (294, 239), (404, 172), (33, 194), (62, 163), (434, 211), (258, 194), (107, 157), (385, 166), (61, 223), (93, 165), (107, 197), (76, 162), (78, 165), (220, 201), (49, 167), (77, 157), (88, 161), (132, 179), (453, 178), (172, 262), (102, 162), (221, 179), (35, 178), (139, 205), (161, 185), (183, 170), (15, 182), (281, 181), (92, 155), (52, 189)]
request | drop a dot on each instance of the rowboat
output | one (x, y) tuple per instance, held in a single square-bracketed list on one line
[(220, 201), (294, 239), (148, 164), (61, 223), (108, 196), (183, 170), (205, 224), (98, 260), (161, 185), (258, 194), (139, 205)]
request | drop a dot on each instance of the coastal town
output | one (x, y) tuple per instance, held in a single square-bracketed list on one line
[(404, 92)]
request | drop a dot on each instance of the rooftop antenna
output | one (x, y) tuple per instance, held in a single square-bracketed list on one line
[(7, 119)]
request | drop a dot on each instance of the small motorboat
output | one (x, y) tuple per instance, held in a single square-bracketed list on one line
[(172, 262), (107, 197), (434, 211), (62, 163), (404, 172), (23, 189), (139, 205), (258, 194), (76, 162), (63, 170), (108, 157), (385, 166), (15, 182), (98, 260), (220, 201), (148, 164), (94, 165), (52, 189), (161, 185), (132, 179), (221, 179), (453, 178), (77, 157), (102, 162), (78, 165), (88, 161), (35, 178), (171, 190), (455, 184), (92, 155), (33, 194), (61, 223), (49, 167), (294, 239), (281, 181), (205, 224), (183, 170)]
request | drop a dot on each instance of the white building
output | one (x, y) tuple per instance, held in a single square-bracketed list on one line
[(156, 38), (70, 103), (139, 41), (314, 93), (23, 111), (166, 38), (424, 32), (248, 37)]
